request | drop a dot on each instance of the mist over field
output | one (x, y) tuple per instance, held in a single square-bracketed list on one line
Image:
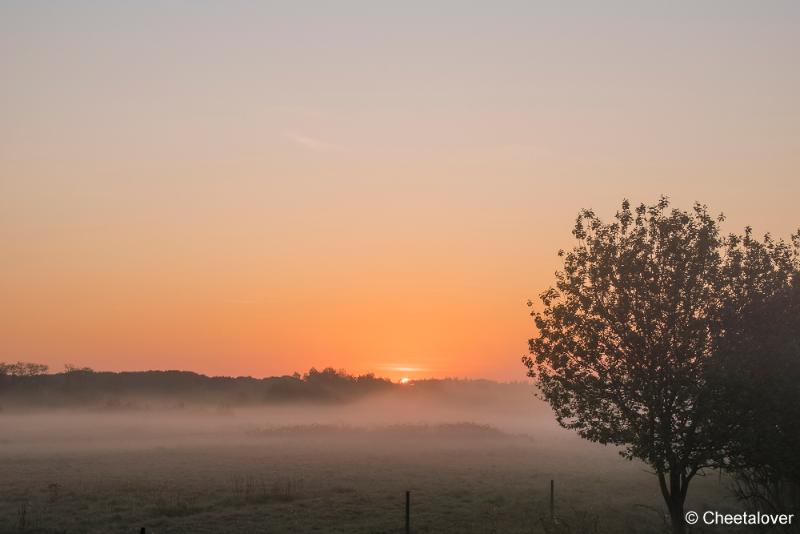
[(54, 415), (476, 456), (131, 419)]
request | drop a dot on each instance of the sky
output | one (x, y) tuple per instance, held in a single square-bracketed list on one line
[(256, 188)]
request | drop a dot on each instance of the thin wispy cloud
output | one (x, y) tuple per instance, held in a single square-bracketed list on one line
[(311, 143), (402, 368)]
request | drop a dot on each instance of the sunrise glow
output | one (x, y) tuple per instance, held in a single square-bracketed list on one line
[(203, 203)]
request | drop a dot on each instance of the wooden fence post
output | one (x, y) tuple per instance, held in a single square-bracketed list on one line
[(552, 501), (408, 512)]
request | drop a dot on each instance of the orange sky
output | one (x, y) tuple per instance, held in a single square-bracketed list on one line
[(260, 189)]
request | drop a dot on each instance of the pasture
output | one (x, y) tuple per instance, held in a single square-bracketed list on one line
[(229, 472)]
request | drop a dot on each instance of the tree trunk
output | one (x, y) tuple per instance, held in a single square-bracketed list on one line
[(674, 496), (676, 516)]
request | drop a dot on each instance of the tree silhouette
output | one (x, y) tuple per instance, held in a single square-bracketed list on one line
[(628, 336), (22, 369), (757, 375)]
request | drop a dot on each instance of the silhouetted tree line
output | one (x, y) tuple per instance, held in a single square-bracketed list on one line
[(22, 369), (28, 385), (681, 346)]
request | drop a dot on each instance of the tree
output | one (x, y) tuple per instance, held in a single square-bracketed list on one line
[(72, 368), (22, 369), (757, 376), (628, 335)]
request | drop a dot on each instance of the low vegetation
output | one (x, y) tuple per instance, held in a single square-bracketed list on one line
[(303, 479)]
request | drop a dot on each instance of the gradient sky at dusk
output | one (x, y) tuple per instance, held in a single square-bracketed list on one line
[(259, 187)]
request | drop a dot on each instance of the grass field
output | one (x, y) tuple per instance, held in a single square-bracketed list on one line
[(230, 474)]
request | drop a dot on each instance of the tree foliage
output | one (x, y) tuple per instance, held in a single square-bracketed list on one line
[(22, 369), (628, 336), (757, 383)]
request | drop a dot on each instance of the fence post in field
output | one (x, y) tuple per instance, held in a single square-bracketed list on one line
[(408, 512), (552, 501)]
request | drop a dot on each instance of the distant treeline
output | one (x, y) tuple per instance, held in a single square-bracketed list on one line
[(28, 385)]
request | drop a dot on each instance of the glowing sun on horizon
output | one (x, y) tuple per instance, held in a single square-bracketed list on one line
[(405, 380)]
